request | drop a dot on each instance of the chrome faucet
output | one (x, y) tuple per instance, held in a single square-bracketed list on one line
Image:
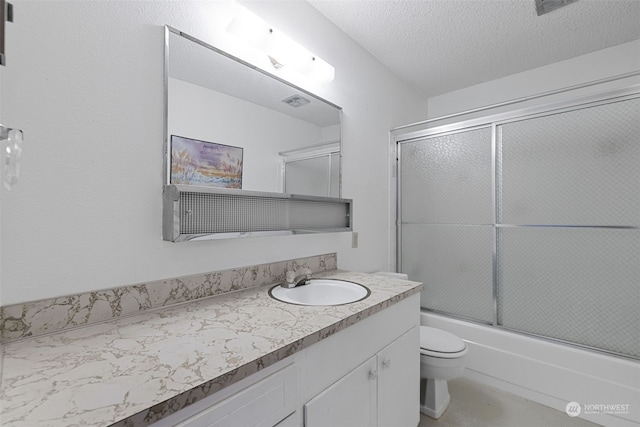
[(293, 279)]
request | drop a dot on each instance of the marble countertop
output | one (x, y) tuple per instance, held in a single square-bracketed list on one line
[(135, 370)]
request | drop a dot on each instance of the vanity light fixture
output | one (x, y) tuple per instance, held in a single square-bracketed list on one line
[(281, 50)]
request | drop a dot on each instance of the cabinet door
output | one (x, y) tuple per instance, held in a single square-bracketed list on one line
[(350, 402), (399, 382)]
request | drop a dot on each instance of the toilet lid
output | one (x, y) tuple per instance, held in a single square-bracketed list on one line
[(437, 340)]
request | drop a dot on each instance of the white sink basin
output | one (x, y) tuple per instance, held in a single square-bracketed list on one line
[(321, 292)]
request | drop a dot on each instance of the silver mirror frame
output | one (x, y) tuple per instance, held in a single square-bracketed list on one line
[(216, 211)]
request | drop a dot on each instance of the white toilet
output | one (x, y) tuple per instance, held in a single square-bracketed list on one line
[(442, 358)]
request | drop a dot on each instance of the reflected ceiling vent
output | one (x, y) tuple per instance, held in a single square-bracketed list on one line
[(546, 6), (296, 101)]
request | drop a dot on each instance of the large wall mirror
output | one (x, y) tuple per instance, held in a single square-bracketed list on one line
[(250, 130)]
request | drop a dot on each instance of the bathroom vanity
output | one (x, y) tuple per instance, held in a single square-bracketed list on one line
[(366, 375), (240, 358)]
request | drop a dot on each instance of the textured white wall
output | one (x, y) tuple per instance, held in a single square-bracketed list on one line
[(84, 81), (602, 64)]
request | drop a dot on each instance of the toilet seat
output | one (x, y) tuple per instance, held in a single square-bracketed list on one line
[(438, 343)]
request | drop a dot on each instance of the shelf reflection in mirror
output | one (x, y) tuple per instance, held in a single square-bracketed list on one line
[(214, 97)]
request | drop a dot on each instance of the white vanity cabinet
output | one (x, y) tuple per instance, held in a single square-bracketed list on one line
[(382, 391), (367, 374)]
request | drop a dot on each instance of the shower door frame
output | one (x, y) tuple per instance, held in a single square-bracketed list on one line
[(493, 121)]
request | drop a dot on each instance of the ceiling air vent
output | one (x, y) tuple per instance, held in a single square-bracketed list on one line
[(296, 101), (546, 6)]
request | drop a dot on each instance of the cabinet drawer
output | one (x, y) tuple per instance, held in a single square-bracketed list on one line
[(262, 404)]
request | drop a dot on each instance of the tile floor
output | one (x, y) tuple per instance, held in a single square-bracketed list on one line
[(477, 405)]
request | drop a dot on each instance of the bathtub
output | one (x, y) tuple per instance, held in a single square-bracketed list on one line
[(606, 387)]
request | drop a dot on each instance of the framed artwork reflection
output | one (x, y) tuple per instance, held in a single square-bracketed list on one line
[(197, 162)]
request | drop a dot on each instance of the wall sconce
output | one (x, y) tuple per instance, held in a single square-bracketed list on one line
[(11, 146), (281, 50)]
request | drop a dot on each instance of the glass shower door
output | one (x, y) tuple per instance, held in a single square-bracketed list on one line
[(569, 212), (446, 215), (530, 224)]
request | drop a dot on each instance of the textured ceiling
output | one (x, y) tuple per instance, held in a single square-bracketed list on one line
[(438, 46)]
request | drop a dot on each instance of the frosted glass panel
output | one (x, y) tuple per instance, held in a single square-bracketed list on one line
[(567, 200), (455, 265), (308, 176), (580, 167), (447, 179), (579, 285)]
